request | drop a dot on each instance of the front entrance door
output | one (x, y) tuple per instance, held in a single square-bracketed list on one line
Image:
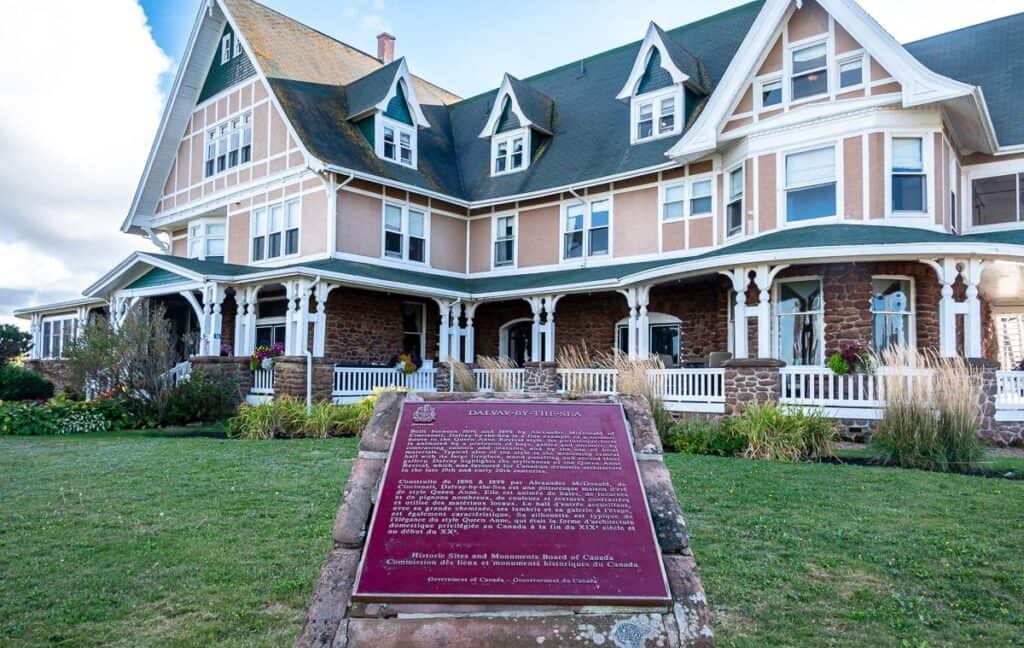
[(519, 342)]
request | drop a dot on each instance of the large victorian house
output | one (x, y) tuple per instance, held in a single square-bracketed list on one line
[(770, 182)]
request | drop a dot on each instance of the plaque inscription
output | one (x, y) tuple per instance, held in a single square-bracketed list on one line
[(497, 501)]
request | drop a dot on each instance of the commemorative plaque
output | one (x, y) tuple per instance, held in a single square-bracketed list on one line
[(517, 502)]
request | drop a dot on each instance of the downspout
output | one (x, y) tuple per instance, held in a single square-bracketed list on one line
[(309, 358)]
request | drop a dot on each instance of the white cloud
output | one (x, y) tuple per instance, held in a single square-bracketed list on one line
[(80, 102)]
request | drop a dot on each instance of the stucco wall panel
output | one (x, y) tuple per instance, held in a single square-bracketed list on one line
[(447, 243), (538, 236), (635, 222), (314, 223), (359, 224)]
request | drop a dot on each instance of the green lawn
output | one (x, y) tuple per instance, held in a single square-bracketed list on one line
[(134, 539)]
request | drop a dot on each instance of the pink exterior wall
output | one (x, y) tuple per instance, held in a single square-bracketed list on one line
[(447, 242), (773, 60), (237, 249), (701, 232), (179, 246), (314, 223), (480, 244), (359, 224), (748, 196), (672, 236), (635, 222), (810, 20), (853, 178), (876, 169), (538, 236), (767, 194)]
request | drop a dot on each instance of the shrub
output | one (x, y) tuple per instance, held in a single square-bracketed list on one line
[(661, 417), (13, 343), (61, 416), (705, 436), (785, 434), (19, 383), (200, 399), (285, 417), (838, 364)]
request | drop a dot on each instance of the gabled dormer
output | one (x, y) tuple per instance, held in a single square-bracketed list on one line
[(520, 119), (664, 74), (384, 107)]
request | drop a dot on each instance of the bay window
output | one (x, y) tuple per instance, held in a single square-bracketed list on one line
[(228, 145), (508, 151), (57, 332), (206, 238), (909, 183), (891, 313), (734, 207), (809, 70), (586, 230), (405, 233), (656, 114), (997, 200), (811, 184), (275, 230), (798, 321), (504, 240)]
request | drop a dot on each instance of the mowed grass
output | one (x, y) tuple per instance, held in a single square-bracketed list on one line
[(175, 539), (179, 539), (801, 554)]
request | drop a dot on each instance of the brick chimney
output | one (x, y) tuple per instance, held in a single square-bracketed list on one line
[(385, 47)]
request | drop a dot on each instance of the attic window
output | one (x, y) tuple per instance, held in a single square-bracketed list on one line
[(656, 114), (396, 142), (225, 49), (509, 151), (809, 71), (238, 48), (228, 145)]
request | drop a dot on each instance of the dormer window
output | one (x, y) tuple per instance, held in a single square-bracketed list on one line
[(384, 107), (656, 114), (398, 142), (508, 150), (225, 49)]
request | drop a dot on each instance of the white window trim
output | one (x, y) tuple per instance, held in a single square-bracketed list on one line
[(265, 209), (507, 138), (849, 57), (237, 48), (241, 116), (776, 288), (654, 97), (787, 67), (965, 217), (587, 205), (225, 49), (503, 330), (51, 320), (727, 188), (926, 217), (759, 83), (204, 237), (912, 332), (406, 208), (687, 183), (515, 240), (655, 319), (383, 120), (781, 207)]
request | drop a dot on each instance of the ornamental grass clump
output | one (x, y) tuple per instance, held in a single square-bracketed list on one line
[(497, 371), (286, 417), (463, 379), (783, 433)]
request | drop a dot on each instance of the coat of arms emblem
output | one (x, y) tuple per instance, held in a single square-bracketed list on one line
[(424, 414)]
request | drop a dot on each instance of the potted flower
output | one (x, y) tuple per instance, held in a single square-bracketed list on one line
[(408, 363), (263, 356), (852, 357)]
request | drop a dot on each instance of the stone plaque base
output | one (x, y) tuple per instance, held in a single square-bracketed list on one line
[(338, 619)]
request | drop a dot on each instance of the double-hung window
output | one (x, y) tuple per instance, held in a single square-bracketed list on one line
[(228, 145), (405, 233), (586, 231), (57, 332), (700, 198), (771, 93), (851, 72), (656, 114), (997, 200), (206, 239), (397, 142), (909, 182), (892, 313), (799, 310), (504, 240), (809, 70), (508, 151), (275, 230), (811, 184), (734, 207), (674, 205)]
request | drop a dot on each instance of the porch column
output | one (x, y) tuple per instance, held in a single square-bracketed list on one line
[(631, 337), (82, 317), (297, 337), (740, 280), (764, 277), (947, 270), (536, 305), (322, 291), (947, 273), (36, 328), (550, 301), (972, 315), (213, 299), (444, 331), (470, 337), (245, 320), (643, 322)]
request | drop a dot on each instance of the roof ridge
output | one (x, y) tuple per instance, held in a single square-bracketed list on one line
[(616, 49), (965, 28)]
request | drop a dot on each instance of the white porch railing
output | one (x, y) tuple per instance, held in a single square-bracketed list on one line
[(589, 381), (263, 382), (511, 379), (855, 395), (353, 383), (1010, 395), (689, 390)]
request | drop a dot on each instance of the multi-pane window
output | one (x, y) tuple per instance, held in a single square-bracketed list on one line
[(997, 200), (586, 231), (398, 142), (891, 313), (771, 93), (663, 341), (851, 72), (275, 230), (57, 332), (811, 184), (413, 328), (271, 318), (674, 205), (734, 206), (405, 233), (225, 49), (908, 176), (509, 152), (799, 312), (504, 240), (228, 145), (656, 115), (809, 71), (206, 239), (700, 198)]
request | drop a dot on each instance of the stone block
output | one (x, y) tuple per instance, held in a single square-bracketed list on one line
[(350, 524), (329, 601), (669, 526), (381, 428), (691, 608), (638, 414)]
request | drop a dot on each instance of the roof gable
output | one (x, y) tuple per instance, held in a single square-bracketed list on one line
[(521, 104), (655, 41), (224, 74), (388, 90)]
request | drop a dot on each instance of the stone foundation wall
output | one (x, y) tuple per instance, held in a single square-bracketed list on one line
[(365, 327), (290, 377), (749, 381), (56, 371), (234, 370), (541, 377)]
